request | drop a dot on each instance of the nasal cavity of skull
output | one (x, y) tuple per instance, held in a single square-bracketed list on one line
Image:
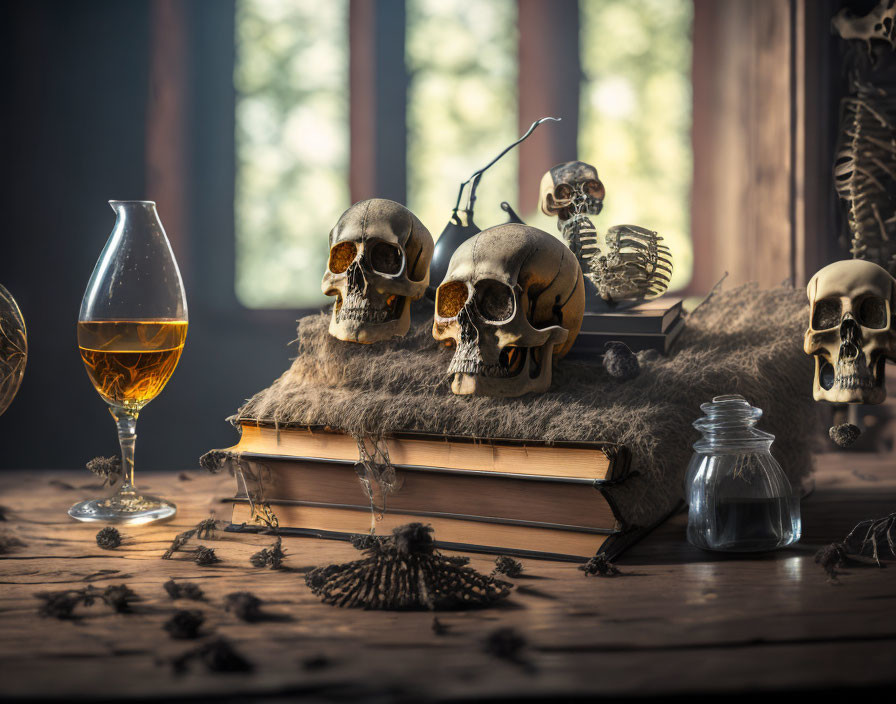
[(873, 313), (342, 254), (451, 297), (827, 314), (386, 258), (494, 300)]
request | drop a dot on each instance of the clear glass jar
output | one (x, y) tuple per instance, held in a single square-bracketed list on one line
[(739, 498)]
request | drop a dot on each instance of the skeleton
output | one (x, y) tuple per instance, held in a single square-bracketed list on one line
[(511, 303), (635, 264), (865, 161), (378, 263), (851, 332)]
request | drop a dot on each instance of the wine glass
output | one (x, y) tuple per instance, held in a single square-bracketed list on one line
[(131, 331)]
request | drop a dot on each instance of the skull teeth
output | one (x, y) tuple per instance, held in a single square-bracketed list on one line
[(854, 381)]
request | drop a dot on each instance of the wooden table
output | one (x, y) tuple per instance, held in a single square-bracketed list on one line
[(679, 621)]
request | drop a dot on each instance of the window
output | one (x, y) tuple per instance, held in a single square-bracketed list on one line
[(635, 123), (461, 58), (291, 77), (461, 109)]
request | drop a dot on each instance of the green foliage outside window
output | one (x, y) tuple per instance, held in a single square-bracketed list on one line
[(461, 59), (635, 116), (292, 140)]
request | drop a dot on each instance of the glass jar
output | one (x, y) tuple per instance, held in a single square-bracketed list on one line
[(739, 498)]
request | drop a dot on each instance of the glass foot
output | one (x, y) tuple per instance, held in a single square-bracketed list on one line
[(127, 507)]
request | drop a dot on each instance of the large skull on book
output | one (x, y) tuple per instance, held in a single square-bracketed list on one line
[(511, 303), (378, 263), (851, 331)]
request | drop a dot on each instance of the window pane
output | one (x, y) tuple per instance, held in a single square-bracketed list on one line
[(461, 59), (292, 137), (636, 116)]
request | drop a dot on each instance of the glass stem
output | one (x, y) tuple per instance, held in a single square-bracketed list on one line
[(127, 438)]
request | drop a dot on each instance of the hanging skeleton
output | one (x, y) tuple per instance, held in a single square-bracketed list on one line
[(633, 263), (865, 161)]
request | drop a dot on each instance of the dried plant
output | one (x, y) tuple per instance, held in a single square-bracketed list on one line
[(106, 468), (183, 590), (108, 538), (185, 624), (599, 566), (508, 566), (272, 557), (203, 530), (405, 571), (217, 655)]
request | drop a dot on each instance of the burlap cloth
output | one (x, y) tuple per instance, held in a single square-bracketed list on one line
[(747, 341)]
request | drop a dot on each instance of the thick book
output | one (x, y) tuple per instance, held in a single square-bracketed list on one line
[(580, 460), (590, 343), (655, 317), (450, 533), (567, 503)]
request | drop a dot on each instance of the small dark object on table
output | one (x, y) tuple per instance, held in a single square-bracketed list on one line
[(830, 557), (439, 628), (845, 434), (185, 624), (599, 566), (108, 538), (183, 590), (505, 643), (106, 468), (620, 362), (62, 604), (119, 597), (204, 529), (508, 566), (205, 556), (217, 655), (59, 605), (364, 541), (316, 662), (270, 557), (8, 543), (245, 606)]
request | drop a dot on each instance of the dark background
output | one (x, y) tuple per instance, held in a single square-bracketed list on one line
[(73, 135)]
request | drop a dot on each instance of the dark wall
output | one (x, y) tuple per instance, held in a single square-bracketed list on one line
[(75, 81)]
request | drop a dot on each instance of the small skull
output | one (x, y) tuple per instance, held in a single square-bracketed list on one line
[(379, 263), (511, 303), (851, 331), (571, 189), (879, 23)]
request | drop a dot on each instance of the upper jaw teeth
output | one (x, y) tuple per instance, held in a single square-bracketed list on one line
[(355, 307)]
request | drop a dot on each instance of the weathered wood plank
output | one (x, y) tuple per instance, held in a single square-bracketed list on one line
[(761, 622)]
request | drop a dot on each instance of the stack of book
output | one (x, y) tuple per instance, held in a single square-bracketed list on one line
[(651, 325), (501, 496)]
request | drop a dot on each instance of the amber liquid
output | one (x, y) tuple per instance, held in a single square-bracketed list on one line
[(130, 361)]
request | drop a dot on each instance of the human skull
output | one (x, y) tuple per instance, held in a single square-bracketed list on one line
[(851, 331), (378, 263), (571, 188), (512, 303), (879, 23)]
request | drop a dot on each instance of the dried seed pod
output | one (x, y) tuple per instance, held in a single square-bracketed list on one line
[(404, 571), (108, 538)]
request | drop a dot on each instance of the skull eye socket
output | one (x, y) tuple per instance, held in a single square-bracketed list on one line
[(495, 300), (595, 189), (873, 313), (827, 314), (563, 192), (451, 297), (386, 258), (342, 254)]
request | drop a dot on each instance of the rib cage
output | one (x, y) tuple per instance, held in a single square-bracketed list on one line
[(865, 173)]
